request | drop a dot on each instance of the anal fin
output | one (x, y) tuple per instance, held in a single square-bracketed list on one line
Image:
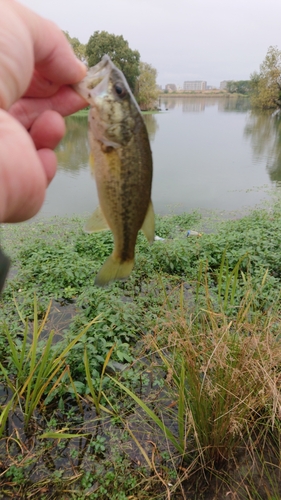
[(149, 224)]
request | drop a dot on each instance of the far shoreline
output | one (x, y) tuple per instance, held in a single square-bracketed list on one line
[(201, 94), (85, 111)]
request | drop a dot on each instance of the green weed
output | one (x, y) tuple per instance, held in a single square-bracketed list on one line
[(35, 377)]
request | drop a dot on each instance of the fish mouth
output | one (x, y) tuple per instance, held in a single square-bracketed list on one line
[(99, 74), (96, 81)]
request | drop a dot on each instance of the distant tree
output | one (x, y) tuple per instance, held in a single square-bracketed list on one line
[(146, 88), (126, 59), (239, 87), (266, 85), (78, 47), (230, 86)]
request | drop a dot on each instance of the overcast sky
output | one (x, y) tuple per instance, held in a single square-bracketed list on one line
[(211, 40)]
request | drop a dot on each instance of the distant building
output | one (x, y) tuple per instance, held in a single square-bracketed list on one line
[(195, 85), (223, 84), (171, 87)]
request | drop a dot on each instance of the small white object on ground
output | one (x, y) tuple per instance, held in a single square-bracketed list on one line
[(193, 233)]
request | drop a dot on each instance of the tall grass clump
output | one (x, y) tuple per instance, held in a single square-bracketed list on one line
[(223, 377), (226, 377)]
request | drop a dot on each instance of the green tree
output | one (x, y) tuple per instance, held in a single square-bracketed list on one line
[(79, 48), (266, 85), (239, 86), (146, 88), (126, 59)]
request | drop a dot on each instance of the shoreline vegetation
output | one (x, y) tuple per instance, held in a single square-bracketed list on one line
[(85, 112), (165, 386), (205, 93)]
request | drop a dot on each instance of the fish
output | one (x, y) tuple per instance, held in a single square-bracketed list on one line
[(121, 162)]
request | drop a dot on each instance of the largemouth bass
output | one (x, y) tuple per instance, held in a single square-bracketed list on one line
[(121, 162)]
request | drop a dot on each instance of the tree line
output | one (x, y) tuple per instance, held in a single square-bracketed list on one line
[(264, 87), (238, 87), (140, 75)]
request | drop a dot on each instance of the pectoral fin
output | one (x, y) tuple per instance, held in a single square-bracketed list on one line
[(96, 222), (113, 269), (148, 224)]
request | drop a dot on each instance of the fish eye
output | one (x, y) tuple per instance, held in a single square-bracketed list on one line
[(120, 90)]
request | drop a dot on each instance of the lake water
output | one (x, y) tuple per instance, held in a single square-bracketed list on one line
[(208, 153)]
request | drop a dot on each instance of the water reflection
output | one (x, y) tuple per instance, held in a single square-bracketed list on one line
[(208, 153), (264, 132), (199, 104), (236, 104), (169, 103), (195, 104), (73, 150)]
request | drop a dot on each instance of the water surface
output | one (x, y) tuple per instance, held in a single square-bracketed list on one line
[(208, 153)]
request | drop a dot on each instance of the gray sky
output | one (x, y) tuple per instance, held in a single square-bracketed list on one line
[(211, 40)]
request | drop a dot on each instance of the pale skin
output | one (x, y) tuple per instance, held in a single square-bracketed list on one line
[(37, 69)]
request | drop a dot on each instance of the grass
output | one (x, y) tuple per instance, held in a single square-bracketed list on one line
[(163, 386), (35, 376), (223, 378), (151, 112)]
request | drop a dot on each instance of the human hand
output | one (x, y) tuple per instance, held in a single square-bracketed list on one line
[(37, 67)]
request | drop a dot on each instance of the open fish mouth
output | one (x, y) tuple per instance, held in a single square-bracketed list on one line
[(96, 80)]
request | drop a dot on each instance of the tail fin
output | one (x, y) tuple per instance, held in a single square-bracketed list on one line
[(113, 269)]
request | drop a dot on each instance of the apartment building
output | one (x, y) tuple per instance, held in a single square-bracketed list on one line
[(195, 85)]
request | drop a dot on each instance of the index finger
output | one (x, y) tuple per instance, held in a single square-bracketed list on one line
[(66, 101), (54, 58), (27, 41)]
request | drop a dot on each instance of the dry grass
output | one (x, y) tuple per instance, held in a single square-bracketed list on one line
[(223, 375)]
